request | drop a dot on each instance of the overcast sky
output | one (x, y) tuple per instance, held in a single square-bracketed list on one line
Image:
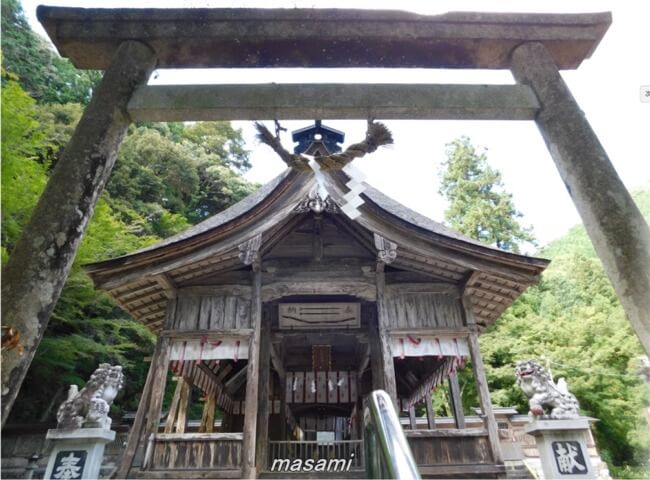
[(607, 87)]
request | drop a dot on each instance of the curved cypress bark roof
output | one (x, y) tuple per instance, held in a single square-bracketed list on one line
[(140, 281)]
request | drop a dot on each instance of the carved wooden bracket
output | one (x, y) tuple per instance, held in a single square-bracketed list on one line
[(386, 250), (250, 249), (167, 284)]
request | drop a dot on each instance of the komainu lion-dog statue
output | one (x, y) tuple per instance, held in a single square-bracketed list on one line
[(546, 399), (89, 407)]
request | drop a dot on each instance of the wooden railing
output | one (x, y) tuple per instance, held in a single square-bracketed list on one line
[(350, 451), (194, 451), (452, 451)]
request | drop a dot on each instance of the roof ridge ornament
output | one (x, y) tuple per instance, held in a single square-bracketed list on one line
[(377, 135)]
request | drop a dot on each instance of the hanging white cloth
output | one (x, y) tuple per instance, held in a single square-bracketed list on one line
[(420, 346), (223, 348)]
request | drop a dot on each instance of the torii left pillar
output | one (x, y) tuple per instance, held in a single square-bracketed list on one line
[(39, 265)]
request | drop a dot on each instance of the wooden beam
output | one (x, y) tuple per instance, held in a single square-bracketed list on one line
[(481, 382), (456, 401), (252, 383), (355, 288), (197, 334), (277, 361), (180, 103), (236, 381), (424, 288), (431, 413), (215, 378), (463, 471), (438, 332), (447, 433)]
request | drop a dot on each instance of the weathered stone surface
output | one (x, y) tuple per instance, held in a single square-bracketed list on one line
[(39, 265), (176, 103), (89, 407), (544, 395), (618, 231), (319, 37)]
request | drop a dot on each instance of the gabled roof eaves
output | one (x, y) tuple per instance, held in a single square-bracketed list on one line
[(233, 212)]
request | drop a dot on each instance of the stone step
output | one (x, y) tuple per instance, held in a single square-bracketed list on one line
[(518, 471)]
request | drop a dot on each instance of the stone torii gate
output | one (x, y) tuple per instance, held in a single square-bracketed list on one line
[(129, 44)]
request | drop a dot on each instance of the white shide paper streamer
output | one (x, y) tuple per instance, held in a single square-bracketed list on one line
[(352, 199)]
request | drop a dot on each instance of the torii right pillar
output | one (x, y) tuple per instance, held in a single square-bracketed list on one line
[(619, 233)]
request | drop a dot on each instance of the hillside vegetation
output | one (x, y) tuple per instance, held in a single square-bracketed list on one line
[(571, 321)]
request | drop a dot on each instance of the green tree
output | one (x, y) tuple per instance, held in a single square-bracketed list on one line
[(161, 178), (23, 178), (573, 320), (44, 75), (478, 205)]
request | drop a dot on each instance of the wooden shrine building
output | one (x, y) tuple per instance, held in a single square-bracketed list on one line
[(282, 312)]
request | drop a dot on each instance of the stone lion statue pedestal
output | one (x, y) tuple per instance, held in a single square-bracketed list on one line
[(83, 428), (560, 432), (562, 446), (77, 453)]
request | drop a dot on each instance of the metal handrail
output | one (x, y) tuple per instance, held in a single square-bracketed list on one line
[(387, 452)]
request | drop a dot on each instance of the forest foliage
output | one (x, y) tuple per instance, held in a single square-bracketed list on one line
[(170, 176), (167, 177), (572, 321)]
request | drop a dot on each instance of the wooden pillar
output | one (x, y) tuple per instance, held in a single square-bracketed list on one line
[(252, 380), (207, 419), (226, 422), (384, 341), (40, 263), (135, 434), (412, 420), (173, 407), (376, 359), (431, 414), (159, 380), (619, 233), (481, 381), (183, 404), (283, 406), (456, 401), (263, 409)]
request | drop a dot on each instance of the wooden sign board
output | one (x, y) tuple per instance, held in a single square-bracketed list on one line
[(320, 315)]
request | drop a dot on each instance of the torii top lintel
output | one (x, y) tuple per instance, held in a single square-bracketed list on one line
[(194, 38)]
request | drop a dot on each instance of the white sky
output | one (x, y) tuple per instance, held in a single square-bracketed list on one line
[(607, 87)]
